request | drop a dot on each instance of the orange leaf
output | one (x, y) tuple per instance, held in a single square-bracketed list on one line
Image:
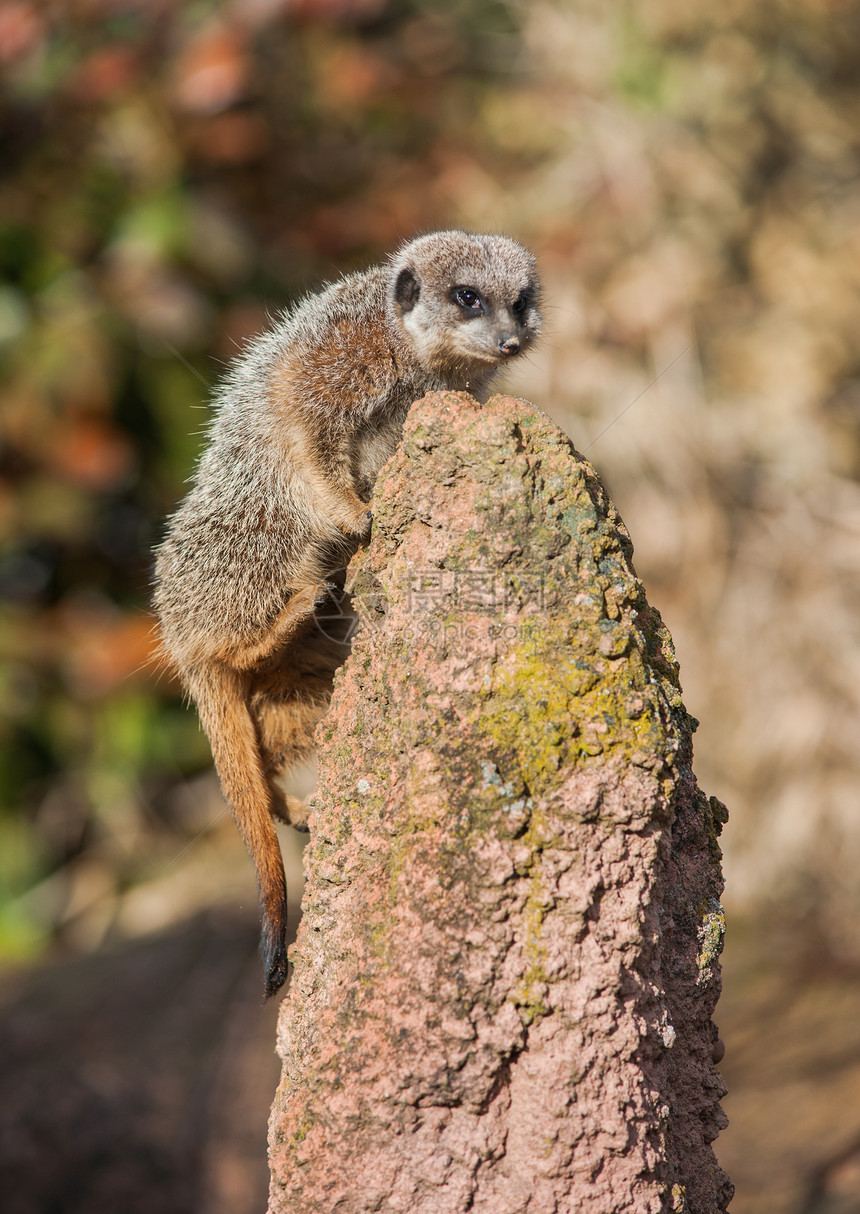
[(212, 72)]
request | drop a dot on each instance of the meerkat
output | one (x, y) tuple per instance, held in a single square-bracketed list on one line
[(281, 501)]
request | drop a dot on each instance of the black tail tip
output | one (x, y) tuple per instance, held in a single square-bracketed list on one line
[(273, 950)]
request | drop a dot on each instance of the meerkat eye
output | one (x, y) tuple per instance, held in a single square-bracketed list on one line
[(521, 303), (468, 298)]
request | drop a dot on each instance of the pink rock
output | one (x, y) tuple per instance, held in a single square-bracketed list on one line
[(508, 956)]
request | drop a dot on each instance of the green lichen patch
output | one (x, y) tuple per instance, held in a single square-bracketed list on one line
[(555, 700), (711, 935)]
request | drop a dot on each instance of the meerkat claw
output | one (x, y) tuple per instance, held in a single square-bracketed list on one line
[(327, 595)]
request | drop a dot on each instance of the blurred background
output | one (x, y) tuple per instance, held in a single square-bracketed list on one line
[(171, 174)]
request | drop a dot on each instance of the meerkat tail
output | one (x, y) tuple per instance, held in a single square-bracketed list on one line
[(221, 697)]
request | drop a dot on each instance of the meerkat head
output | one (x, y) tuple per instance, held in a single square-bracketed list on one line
[(466, 303)]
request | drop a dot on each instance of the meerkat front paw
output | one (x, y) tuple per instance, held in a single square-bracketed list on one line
[(360, 526)]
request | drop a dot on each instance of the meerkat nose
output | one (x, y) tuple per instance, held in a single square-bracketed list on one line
[(509, 345)]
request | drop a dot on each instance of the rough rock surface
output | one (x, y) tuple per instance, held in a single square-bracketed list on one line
[(508, 958)]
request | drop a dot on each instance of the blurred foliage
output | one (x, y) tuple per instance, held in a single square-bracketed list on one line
[(688, 174)]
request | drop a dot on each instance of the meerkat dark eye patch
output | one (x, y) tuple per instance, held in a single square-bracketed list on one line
[(407, 289), (521, 302), (469, 299)]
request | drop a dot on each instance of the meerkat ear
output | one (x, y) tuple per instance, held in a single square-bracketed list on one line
[(406, 290)]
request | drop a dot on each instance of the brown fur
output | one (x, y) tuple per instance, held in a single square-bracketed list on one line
[(280, 503)]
